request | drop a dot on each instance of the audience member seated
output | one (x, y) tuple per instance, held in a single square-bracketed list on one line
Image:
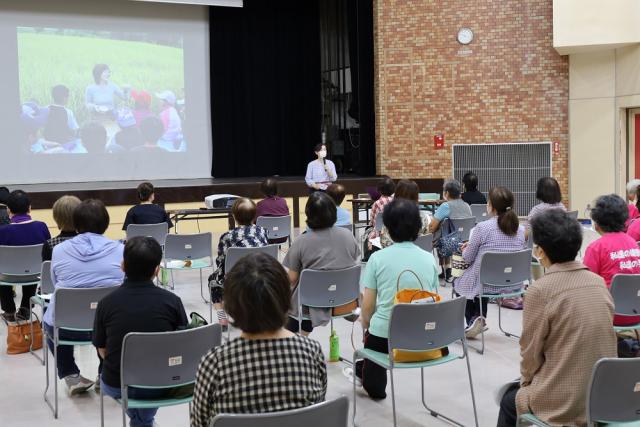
[(245, 235), (63, 216), (615, 252), (267, 368), (337, 193), (407, 190), (386, 188), (146, 212), (501, 233), (633, 187), (272, 204), (323, 247), (566, 329), (4, 212), (21, 231), (471, 194), (402, 220), (548, 192), (61, 126), (137, 306), (88, 260)]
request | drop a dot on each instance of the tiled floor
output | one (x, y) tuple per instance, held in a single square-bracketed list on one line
[(447, 388)]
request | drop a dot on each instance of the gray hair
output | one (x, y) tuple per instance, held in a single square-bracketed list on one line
[(452, 187), (632, 186)]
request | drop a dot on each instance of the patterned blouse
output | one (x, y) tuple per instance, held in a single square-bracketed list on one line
[(376, 209), (245, 236), (541, 207), (485, 237), (258, 376)]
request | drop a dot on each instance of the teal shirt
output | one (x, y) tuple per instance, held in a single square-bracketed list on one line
[(381, 275)]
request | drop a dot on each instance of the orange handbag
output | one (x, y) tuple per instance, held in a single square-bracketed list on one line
[(19, 337)]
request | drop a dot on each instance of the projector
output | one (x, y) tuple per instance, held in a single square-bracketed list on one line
[(216, 201)]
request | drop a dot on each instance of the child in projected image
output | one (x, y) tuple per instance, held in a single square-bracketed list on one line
[(129, 135), (61, 127), (151, 129), (172, 139), (142, 105), (93, 136)]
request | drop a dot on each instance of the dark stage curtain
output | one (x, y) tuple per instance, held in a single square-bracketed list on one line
[(265, 87)]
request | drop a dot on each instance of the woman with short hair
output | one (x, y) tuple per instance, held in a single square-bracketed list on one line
[(267, 368), (320, 172), (407, 190), (146, 212), (63, 216), (566, 329), (471, 194), (550, 196), (272, 204)]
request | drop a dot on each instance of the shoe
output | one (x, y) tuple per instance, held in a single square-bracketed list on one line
[(474, 328), (9, 317), (77, 384), (22, 314), (96, 385), (349, 374)]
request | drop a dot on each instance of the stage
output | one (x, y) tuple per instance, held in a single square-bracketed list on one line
[(122, 193)]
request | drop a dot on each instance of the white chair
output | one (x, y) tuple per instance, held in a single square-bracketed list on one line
[(188, 252), (20, 265), (480, 213), (425, 242), (278, 227), (157, 231), (625, 291)]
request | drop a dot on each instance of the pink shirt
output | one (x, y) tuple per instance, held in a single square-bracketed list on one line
[(634, 230), (614, 253)]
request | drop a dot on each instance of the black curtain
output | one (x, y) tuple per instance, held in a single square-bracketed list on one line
[(265, 87)]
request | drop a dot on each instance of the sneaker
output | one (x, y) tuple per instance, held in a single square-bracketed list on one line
[(96, 385), (349, 374), (77, 384), (474, 328), (9, 317)]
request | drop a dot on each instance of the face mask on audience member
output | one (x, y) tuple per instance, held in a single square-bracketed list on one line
[(322, 154)]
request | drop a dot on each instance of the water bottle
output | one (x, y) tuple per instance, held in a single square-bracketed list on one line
[(164, 277), (334, 347)]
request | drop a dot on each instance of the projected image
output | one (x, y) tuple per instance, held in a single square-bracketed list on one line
[(101, 91)]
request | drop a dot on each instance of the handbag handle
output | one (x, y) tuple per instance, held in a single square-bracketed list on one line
[(416, 276)]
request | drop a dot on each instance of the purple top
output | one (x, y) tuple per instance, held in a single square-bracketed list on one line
[(24, 231), (272, 206)]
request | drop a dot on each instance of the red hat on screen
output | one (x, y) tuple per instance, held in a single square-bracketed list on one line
[(141, 97)]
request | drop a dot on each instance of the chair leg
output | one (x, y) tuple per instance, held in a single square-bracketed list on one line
[(33, 353), (124, 403), (201, 289), (473, 396), (393, 398), (353, 420), (102, 408), (173, 285), (54, 406), (431, 411), (46, 376), (509, 334)]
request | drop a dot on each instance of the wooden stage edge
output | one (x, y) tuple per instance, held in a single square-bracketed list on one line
[(114, 193)]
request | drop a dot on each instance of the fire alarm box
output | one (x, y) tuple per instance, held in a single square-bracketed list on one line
[(438, 140), (556, 147)]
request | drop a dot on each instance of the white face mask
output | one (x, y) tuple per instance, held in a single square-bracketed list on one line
[(322, 154)]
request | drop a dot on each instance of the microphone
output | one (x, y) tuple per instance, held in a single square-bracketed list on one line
[(324, 160)]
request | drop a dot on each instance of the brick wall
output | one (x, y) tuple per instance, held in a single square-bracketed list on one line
[(508, 85)]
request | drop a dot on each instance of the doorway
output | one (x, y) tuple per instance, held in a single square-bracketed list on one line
[(633, 143)]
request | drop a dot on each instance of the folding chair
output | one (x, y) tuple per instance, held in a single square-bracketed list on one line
[(234, 254), (573, 214), (480, 213), (20, 265), (625, 290), (278, 227), (379, 222), (42, 299), (347, 227), (506, 270), (75, 311), (464, 226), (425, 242), (334, 413), (157, 231), (422, 327), (195, 248), (161, 360)]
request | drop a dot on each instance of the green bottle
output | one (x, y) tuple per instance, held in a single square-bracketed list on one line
[(334, 347), (164, 277)]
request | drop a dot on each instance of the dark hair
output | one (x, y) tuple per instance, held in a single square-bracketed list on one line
[(548, 190), (638, 197), (386, 186), (151, 129), (470, 181), (94, 137), (257, 294), (145, 190), (407, 189), (336, 192), (244, 211), (502, 201), (269, 187), (402, 219), (142, 255), (98, 70), (318, 147), (18, 202), (60, 94), (4, 195), (559, 235), (320, 211), (610, 213), (452, 187), (91, 216)]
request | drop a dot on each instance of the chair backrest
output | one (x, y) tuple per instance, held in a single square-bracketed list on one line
[(20, 263), (614, 391), (346, 227), (480, 213), (505, 269), (428, 196), (464, 226), (277, 226), (332, 413), (625, 290), (425, 242), (234, 254), (426, 326), (329, 288), (363, 196), (76, 307), (166, 359), (188, 246), (46, 282), (573, 214), (379, 222), (157, 231)]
